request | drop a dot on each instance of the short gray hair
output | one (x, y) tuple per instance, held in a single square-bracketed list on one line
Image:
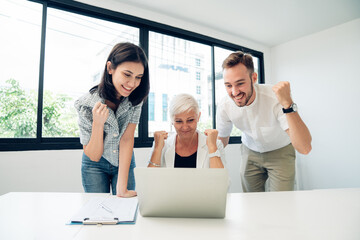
[(183, 103)]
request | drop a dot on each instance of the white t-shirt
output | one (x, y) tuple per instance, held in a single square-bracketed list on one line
[(262, 123)]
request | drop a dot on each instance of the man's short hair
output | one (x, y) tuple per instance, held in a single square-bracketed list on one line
[(239, 57)]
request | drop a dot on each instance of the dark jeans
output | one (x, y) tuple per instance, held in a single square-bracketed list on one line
[(99, 177)]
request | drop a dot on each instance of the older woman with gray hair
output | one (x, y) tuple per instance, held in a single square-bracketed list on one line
[(188, 148)]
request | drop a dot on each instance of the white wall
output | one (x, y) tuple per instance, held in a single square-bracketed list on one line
[(43, 171), (60, 171), (323, 70)]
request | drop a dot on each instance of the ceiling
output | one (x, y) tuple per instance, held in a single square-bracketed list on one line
[(268, 22)]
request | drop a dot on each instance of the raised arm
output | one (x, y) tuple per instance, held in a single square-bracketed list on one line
[(159, 139), (215, 161), (298, 132), (95, 148), (224, 140)]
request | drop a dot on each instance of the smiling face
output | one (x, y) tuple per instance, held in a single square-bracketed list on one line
[(239, 85), (126, 77), (186, 123)]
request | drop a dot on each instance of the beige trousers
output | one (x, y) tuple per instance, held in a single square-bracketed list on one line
[(278, 167)]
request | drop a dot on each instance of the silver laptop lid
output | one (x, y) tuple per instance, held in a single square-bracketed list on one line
[(182, 192)]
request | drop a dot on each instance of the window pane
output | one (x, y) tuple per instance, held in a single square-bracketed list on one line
[(76, 50), (178, 66), (20, 29), (151, 106), (220, 92), (256, 66), (165, 107)]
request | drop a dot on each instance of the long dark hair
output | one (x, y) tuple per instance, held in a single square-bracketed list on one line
[(124, 52)]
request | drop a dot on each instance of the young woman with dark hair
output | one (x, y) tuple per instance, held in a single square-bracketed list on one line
[(108, 115)]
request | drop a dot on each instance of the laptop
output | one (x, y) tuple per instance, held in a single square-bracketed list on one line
[(182, 192)]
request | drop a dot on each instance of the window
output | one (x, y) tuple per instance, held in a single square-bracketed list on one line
[(197, 62), (67, 43), (198, 89), (151, 106), (165, 107), (20, 29), (76, 50), (172, 71), (198, 76)]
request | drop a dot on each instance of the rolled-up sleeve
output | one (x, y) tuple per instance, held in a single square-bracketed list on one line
[(281, 117), (85, 122), (223, 123), (221, 149), (136, 113)]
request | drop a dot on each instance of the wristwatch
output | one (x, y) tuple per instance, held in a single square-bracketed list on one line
[(293, 108), (214, 154)]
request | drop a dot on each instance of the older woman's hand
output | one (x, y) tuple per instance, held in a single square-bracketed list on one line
[(211, 139), (159, 138)]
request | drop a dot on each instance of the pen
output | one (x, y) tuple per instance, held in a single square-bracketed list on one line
[(106, 208)]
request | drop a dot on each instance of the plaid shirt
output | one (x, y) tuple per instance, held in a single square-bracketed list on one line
[(114, 126)]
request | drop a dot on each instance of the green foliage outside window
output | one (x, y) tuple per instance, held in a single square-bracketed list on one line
[(208, 125), (202, 126), (18, 113)]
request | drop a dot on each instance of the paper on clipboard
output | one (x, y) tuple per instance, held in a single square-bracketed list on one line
[(107, 210)]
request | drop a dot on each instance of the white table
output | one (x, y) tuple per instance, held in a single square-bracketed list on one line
[(318, 214)]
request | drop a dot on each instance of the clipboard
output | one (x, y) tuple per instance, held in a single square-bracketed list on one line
[(109, 210)]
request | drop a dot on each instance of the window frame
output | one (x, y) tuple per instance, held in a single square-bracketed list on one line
[(144, 26)]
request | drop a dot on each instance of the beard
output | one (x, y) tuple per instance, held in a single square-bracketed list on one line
[(247, 99)]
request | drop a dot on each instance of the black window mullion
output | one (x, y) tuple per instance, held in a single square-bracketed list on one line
[(261, 69), (143, 127), (213, 85), (41, 75)]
